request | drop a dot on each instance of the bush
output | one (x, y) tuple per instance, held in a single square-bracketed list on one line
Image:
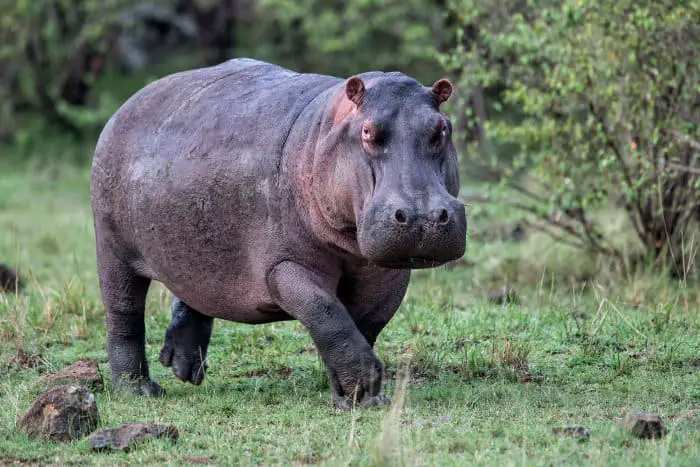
[(51, 53), (608, 96)]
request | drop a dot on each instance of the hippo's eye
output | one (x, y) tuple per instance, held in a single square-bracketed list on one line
[(369, 132), (438, 135), (371, 138)]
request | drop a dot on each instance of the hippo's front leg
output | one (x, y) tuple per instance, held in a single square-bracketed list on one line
[(372, 295), (354, 370), (186, 342)]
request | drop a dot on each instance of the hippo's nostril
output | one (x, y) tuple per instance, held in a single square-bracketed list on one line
[(400, 216), (444, 217)]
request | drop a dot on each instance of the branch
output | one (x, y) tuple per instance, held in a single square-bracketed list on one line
[(682, 168), (585, 241), (557, 237), (628, 179), (524, 191), (687, 139)]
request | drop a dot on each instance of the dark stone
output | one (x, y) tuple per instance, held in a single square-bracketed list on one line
[(9, 279), (62, 414), (126, 435), (574, 431), (645, 425), (503, 295), (85, 371)]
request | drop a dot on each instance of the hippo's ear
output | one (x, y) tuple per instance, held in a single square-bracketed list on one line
[(442, 90), (355, 89)]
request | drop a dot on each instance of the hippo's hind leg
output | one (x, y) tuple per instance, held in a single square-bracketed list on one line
[(186, 343), (124, 296)]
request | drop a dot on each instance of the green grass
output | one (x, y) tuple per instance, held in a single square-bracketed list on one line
[(487, 382)]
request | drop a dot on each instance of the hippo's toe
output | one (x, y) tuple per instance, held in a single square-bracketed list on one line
[(186, 366), (189, 368), (186, 343)]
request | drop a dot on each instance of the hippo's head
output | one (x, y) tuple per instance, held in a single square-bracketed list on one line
[(396, 166)]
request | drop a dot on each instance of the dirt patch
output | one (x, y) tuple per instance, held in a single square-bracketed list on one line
[(284, 373), (83, 371), (307, 460), (7, 461), (197, 459), (573, 431), (689, 415), (24, 361)]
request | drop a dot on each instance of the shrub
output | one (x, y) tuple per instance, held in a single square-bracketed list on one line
[(344, 38), (51, 53), (608, 100)]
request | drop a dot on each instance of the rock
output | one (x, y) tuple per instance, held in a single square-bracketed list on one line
[(85, 372), (126, 435), (645, 425), (503, 295), (62, 414), (9, 280), (574, 431)]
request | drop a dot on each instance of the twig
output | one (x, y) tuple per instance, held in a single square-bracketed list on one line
[(682, 168)]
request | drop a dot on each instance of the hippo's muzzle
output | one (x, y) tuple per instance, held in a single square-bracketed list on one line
[(405, 235)]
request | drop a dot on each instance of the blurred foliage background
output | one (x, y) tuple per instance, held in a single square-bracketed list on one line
[(567, 113)]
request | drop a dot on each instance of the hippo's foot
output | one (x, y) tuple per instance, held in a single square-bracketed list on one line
[(139, 386), (186, 343), (346, 403)]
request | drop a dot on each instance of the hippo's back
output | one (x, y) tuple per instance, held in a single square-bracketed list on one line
[(195, 112), (185, 179)]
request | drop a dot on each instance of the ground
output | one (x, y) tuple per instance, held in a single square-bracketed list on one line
[(487, 385)]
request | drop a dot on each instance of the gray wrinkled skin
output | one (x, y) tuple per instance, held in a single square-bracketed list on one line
[(256, 194)]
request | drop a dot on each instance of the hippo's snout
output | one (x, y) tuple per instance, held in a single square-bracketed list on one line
[(405, 216), (402, 234)]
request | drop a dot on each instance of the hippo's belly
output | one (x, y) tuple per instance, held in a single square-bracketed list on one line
[(210, 230)]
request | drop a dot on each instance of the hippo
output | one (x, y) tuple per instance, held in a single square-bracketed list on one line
[(258, 194)]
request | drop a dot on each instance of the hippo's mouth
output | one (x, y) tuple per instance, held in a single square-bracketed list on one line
[(412, 263)]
